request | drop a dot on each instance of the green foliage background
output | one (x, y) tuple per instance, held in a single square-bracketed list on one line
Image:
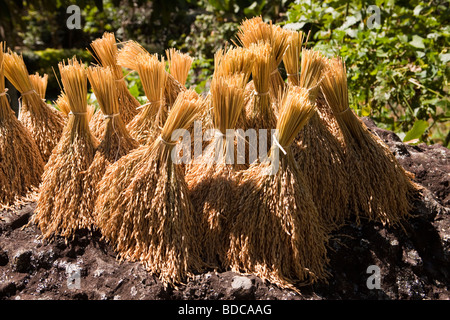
[(398, 71)]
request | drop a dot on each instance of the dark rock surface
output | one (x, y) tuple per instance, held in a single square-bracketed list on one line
[(413, 261)]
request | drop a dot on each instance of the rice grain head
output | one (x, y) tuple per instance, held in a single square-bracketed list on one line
[(62, 207)]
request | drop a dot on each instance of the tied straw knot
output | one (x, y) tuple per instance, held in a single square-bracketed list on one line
[(29, 92), (110, 116), (277, 143), (149, 103), (256, 93), (4, 93), (77, 113), (160, 138)]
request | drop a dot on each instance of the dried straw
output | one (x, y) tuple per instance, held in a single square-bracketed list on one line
[(128, 57), (179, 64), (259, 112), (44, 122), (63, 104), (21, 164), (277, 234), (317, 151), (39, 84), (143, 206), (105, 51), (381, 189), (116, 142), (291, 58), (62, 207), (255, 30), (146, 125), (211, 178), (236, 60)]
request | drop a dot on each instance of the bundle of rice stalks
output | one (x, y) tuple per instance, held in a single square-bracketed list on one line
[(236, 60), (252, 31), (21, 164), (44, 122), (212, 179), (277, 234), (116, 142), (259, 112), (317, 151), (39, 84), (143, 207), (106, 51), (63, 104), (147, 123), (291, 58), (380, 189), (179, 64), (128, 57), (62, 207)]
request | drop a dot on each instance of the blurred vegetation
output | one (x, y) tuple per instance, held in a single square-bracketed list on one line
[(398, 71)]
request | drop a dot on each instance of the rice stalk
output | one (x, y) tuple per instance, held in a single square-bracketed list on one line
[(236, 60), (212, 178), (44, 122), (317, 151), (179, 64), (105, 51), (62, 206), (116, 141), (255, 30), (143, 208), (129, 57), (380, 188), (146, 125), (63, 104), (21, 164), (39, 84), (277, 234), (259, 112), (291, 58)]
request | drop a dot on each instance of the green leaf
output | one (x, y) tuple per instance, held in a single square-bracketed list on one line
[(134, 90), (417, 10), (445, 57), (416, 131), (417, 42)]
